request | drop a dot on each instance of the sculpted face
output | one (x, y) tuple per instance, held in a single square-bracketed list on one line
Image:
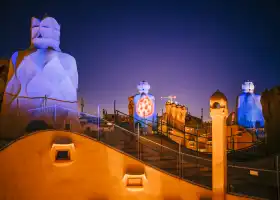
[(45, 33), (143, 87)]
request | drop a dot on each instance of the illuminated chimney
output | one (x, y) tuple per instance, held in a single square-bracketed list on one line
[(248, 87)]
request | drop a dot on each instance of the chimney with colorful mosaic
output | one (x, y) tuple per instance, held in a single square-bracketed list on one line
[(144, 109)]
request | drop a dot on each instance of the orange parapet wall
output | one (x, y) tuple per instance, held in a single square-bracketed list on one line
[(94, 171)]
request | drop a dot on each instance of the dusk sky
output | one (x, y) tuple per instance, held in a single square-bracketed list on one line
[(184, 48)]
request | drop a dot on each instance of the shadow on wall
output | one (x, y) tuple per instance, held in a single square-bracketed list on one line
[(172, 198), (37, 125), (134, 169), (270, 100), (4, 69), (58, 139), (179, 198), (205, 198), (97, 198)]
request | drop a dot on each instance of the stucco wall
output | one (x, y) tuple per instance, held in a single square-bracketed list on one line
[(243, 141), (28, 172)]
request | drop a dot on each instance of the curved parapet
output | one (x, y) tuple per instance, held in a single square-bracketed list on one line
[(104, 173)]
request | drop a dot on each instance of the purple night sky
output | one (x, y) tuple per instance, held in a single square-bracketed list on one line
[(187, 49)]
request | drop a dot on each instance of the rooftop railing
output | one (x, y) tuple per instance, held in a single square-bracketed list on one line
[(259, 181), (195, 141)]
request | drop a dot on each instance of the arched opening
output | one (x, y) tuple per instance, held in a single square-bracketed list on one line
[(216, 105)]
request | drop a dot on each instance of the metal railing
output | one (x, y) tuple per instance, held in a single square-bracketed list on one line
[(44, 98), (173, 158), (254, 182), (194, 141), (161, 128), (169, 158)]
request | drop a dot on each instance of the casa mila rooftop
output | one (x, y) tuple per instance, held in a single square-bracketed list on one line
[(51, 149)]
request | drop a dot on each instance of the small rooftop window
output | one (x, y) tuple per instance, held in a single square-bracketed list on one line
[(216, 105), (62, 155), (135, 182)]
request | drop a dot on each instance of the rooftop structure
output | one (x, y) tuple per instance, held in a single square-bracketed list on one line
[(248, 87)]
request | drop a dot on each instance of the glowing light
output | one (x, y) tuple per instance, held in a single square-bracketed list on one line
[(248, 87), (134, 183), (254, 173), (145, 107), (144, 111)]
